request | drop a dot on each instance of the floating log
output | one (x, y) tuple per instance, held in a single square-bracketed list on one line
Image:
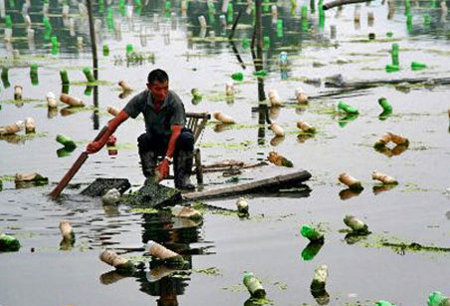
[(332, 4), (277, 182), (373, 83)]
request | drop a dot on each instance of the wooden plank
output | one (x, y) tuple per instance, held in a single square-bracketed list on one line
[(280, 181)]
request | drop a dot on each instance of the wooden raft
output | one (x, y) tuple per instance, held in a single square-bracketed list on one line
[(268, 184)]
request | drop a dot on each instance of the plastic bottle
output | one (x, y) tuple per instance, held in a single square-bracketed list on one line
[(260, 73), (129, 48), (54, 41), (8, 22), (279, 28), (68, 143), (283, 58), (385, 104), (304, 18), (311, 233), (105, 50), (392, 68), (9, 243), (383, 303), (245, 43), (347, 108), (88, 74), (230, 12), (418, 65), (34, 74), (253, 285), (238, 76), (436, 298), (394, 54), (64, 77)]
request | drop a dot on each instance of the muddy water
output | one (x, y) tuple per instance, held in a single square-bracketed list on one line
[(222, 247)]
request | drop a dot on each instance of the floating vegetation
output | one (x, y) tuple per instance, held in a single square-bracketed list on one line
[(207, 271), (228, 145), (149, 210)]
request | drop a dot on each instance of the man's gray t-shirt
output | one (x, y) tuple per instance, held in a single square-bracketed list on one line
[(171, 113)]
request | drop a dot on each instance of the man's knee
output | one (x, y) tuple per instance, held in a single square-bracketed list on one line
[(185, 141)]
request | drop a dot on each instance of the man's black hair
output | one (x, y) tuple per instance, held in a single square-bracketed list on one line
[(157, 75)]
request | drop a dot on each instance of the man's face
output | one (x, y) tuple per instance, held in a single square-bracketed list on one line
[(159, 90)]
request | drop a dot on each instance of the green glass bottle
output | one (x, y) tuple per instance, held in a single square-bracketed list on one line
[(8, 22), (238, 76), (260, 73), (88, 74), (311, 233), (245, 43), (392, 68), (395, 54), (385, 104), (105, 50), (347, 108), (436, 298), (383, 303), (129, 48), (54, 41), (279, 28), (34, 74), (418, 65), (9, 243), (68, 143), (64, 77), (230, 12), (253, 285)]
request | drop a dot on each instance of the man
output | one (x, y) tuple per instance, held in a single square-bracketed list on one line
[(165, 135)]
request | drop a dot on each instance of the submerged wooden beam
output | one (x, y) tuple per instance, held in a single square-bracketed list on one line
[(373, 83), (277, 182), (332, 4)]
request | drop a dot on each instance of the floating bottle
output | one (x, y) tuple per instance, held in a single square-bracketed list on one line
[(120, 263), (51, 100), (68, 143), (238, 76), (279, 28), (9, 243), (30, 125), (242, 205), (170, 258), (383, 303), (187, 212), (65, 228), (88, 74), (418, 65), (347, 108), (320, 278), (385, 104), (125, 86), (301, 96), (64, 77), (229, 89), (112, 110), (223, 118), (311, 233), (54, 42), (18, 90), (274, 98), (71, 101), (384, 178), (253, 285), (351, 182), (305, 127), (12, 128), (279, 160), (34, 74), (356, 224), (111, 197), (436, 298), (277, 130), (105, 50)]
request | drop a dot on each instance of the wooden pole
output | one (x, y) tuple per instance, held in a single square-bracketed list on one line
[(93, 43)]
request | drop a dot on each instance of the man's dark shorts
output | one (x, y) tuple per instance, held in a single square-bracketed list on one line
[(158, 143)]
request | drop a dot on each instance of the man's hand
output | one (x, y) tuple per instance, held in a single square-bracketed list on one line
[(163, 169), (94, 147)]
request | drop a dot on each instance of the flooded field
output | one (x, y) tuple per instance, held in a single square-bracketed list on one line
[(222, 246)]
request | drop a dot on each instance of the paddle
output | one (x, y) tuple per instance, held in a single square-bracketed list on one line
[(73, 170)]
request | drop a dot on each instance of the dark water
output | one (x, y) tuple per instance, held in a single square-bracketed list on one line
[(268, 243)]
